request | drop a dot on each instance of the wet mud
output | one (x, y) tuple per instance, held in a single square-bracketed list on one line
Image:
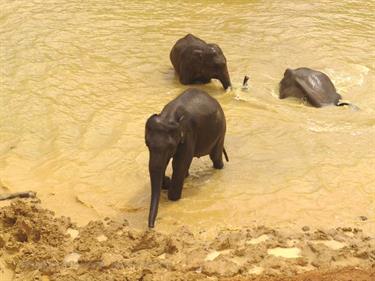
[(35, 244)]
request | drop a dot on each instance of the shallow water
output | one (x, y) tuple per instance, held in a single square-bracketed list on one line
[(79, 79)]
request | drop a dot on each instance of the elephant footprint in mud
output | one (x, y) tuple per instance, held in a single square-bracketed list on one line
[(191, 125), (195, 61)]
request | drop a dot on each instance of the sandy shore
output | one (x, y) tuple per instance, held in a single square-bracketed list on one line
[(37, 245)]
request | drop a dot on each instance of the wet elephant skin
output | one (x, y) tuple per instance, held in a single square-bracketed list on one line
[(191, 125), (196, 61)]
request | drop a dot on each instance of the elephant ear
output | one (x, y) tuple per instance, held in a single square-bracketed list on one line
[(288, 72), (314, 96), (191, 64)]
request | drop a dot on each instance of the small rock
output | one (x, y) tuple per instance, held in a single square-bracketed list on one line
[(347, 229), (3, 240), (220, 267), (275, 266), (162, 256), (45, 278), (357, 230), (302, 261), (306, 228), (171, 246), (108, 259), (240, 252), (102, 238), (362, 255), (211, 256), (290, 253), (258, 240), (72, 258), (257, 270), (363, 218), (73, 233)]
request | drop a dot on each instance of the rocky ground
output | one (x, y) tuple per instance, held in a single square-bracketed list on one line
[(37, 245)]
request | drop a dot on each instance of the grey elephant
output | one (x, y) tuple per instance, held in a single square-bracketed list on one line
[(195, 61), (309, 84), (191, 125)]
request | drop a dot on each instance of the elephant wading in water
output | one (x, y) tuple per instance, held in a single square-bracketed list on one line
[(191, 125), (309, 84), (195, 61)]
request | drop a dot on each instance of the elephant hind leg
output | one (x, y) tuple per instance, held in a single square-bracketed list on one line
[(166, 183), (216, 155)]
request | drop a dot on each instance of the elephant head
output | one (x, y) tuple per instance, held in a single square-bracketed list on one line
[(214, 64), (288, 86), (162, 138), (287, 81)]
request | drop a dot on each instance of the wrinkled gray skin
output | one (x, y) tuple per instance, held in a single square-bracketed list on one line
[(196, 62), (309, 84), (191, 125)]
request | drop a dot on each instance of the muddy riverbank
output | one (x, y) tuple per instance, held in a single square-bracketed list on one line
[(35, 244)]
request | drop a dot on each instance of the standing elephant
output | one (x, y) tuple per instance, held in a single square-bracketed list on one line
[(309, 84), (195, 61), (191, 125)]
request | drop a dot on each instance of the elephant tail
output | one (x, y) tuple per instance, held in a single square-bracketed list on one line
[(225, 154), (340, 103), (352, 106)]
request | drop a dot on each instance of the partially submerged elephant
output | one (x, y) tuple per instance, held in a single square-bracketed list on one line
[(309, 84), (191, 125), (195, 61)]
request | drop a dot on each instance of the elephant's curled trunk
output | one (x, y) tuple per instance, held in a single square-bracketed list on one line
[(225, 79)]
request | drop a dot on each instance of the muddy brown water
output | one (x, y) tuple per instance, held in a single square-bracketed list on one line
[(79, 79)]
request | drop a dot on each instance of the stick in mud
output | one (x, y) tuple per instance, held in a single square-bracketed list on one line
[(26, 194), (244, 83)]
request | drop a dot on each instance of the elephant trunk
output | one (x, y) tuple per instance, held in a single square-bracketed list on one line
[(157, 171), (225, 79)]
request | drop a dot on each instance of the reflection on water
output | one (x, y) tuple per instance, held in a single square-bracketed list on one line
[(79, 79)]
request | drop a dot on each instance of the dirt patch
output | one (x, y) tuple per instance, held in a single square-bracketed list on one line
[(37, 245), (343, 274)]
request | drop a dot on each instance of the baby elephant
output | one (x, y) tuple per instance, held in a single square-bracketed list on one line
[(195, 61), (309, 84), (191, 125)]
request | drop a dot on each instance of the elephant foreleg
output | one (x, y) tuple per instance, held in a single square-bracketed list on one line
[(166, 181), (180, 164)]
